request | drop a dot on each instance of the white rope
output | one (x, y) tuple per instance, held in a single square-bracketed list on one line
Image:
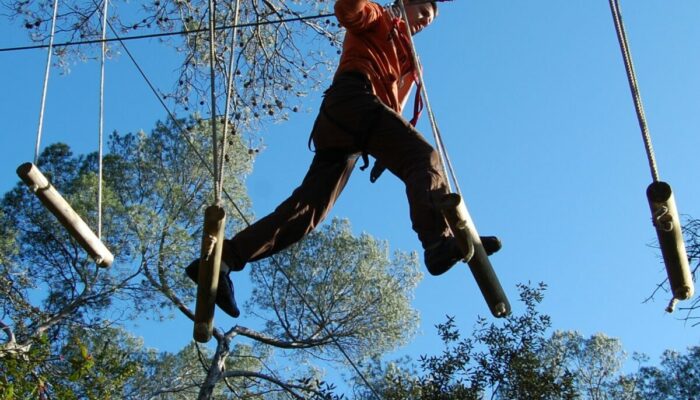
[(212, 80), (439, 144), (101, 119), (229, 100), (46, 83)]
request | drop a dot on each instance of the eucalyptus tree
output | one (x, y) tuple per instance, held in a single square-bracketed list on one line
[(593, 364), (517, 358), (153, 190), (498, 360), (335, 297), (677, 376)]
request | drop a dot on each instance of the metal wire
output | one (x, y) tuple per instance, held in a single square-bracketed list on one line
[(101, 121), (634, 87), (229, 94), (166, 34), (46, 83)]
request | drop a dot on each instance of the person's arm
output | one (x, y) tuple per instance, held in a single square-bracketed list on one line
[(357, 15)]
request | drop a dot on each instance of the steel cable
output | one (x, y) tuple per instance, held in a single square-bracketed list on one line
[(634, 87)]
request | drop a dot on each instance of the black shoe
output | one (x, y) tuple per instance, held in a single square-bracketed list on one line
[(225, 297), (442, 256)]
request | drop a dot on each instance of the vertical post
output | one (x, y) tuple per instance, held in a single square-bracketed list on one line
[(668, 229), (210, 263), (455, 211), (59, 207)]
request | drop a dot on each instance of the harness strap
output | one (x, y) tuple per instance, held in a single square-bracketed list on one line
[(361, 138), (417, 102), (334, 155)]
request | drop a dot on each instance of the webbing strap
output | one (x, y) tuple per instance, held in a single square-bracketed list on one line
[(361, 138), (417, 104)]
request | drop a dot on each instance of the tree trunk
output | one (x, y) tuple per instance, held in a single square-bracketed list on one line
[(216, 368)]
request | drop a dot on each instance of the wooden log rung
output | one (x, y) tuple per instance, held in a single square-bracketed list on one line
[(670, 233), (457, 216), (210, 264), (59, 207)]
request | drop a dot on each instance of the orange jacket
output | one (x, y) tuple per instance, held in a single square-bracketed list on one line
[(373, 46)]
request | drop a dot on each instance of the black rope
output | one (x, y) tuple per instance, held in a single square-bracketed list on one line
[(165, 34)]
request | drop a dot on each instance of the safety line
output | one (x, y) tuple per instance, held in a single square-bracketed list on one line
[(46, 83), (439, 143), (243, 217), (634, 87), (165, 34)]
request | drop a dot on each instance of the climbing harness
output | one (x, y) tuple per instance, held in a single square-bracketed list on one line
[(49, 196), (454, 208), (404, 43), (659, 194)]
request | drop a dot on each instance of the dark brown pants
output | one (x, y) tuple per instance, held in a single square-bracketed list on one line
[(351, 120)]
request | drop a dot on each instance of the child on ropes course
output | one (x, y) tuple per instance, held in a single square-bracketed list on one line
[(360, 115)]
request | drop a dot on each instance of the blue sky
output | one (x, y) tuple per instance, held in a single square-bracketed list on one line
[(533, 104)]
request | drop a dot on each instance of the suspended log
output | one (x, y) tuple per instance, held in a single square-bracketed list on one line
[(669, 231), (458, 219), (210, 264), (59, 207), (455, 211)]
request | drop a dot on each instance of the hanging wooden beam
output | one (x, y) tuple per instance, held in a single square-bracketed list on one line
[(210, 264), (59, 207), (669, 231), (455, 211)]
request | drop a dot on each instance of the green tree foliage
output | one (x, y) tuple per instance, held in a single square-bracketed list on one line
[(58, 310), (594, 364), (501, 358), (677, 377), (154, 193), (515, 359), (340, 285), (22, 375), (333, 290)]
